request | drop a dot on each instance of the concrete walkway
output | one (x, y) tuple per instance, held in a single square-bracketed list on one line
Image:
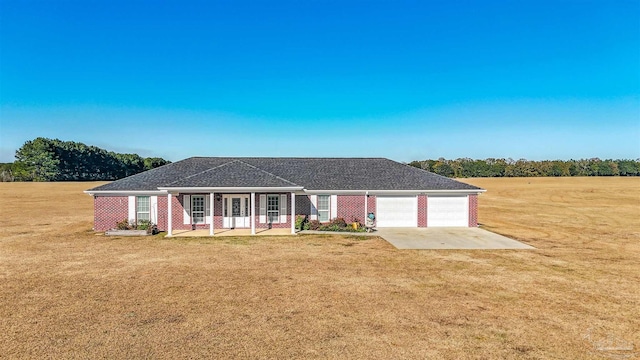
[(231, 232), (448, 238)]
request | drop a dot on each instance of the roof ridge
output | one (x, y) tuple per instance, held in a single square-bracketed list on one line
[(266, 172), (202, 172)]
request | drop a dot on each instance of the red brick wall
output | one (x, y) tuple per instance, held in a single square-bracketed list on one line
[(286, 224), (109, 210), (177, 214), (422, 210), (162, 212), (473, 210), (351, 208), (371, 205), (217, 212)]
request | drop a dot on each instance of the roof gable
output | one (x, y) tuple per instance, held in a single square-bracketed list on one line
[(235, 173)]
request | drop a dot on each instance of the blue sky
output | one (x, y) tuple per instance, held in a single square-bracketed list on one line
[(406, 80)]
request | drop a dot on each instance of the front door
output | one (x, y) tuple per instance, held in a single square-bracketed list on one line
[(235, 211)]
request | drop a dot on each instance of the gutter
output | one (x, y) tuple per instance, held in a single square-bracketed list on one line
[(393, 192), (124, 192), (298, 190), (228, 189)]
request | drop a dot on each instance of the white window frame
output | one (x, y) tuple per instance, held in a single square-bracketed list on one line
[(321, 210), (140, 212), (273, 216), (197, 213)]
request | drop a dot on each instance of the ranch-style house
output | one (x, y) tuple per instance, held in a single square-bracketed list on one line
[(254, 193)]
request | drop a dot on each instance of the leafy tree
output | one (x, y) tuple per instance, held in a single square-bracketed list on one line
[(45, 159), (38, 159), (608, 168), (151, 163), (560, 168), (628, 167), (444, 169)]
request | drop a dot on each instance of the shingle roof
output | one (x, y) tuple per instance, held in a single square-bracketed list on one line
[(309, 173)]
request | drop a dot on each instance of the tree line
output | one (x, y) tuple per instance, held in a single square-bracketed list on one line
[(466, 167), (45, 159)]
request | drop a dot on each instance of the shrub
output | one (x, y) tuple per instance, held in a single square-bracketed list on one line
[(314, 225), (301, 220), (144, 225), (331, 228), (147, 225), (339, 222), (123, 225)]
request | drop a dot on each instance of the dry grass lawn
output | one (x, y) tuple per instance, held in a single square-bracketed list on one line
[(67, 293)]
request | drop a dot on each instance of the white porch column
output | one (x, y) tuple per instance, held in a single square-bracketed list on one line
[(293, 212), (211, 207), (252, 212), (169, 221)]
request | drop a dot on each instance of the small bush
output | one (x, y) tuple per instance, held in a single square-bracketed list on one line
[(314, 225), (147, 225), (339, 222), (300, 221), (144, 225), (123, 225)]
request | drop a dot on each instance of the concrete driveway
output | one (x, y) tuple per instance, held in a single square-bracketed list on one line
[(448, 238)]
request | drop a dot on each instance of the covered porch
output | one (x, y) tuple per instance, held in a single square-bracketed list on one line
[(235, 197), (231, 212)]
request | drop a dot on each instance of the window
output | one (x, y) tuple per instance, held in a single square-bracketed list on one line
[(323, 208), (273, 208), (197, 209), (143, 206)]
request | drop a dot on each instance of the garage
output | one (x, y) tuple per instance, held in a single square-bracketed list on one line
[(447, 211), (397, 211)]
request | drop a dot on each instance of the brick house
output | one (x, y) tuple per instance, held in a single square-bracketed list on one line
[(268, 192)]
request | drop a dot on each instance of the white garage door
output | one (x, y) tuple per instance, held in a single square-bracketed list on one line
[(397, 211), (447, 211)]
